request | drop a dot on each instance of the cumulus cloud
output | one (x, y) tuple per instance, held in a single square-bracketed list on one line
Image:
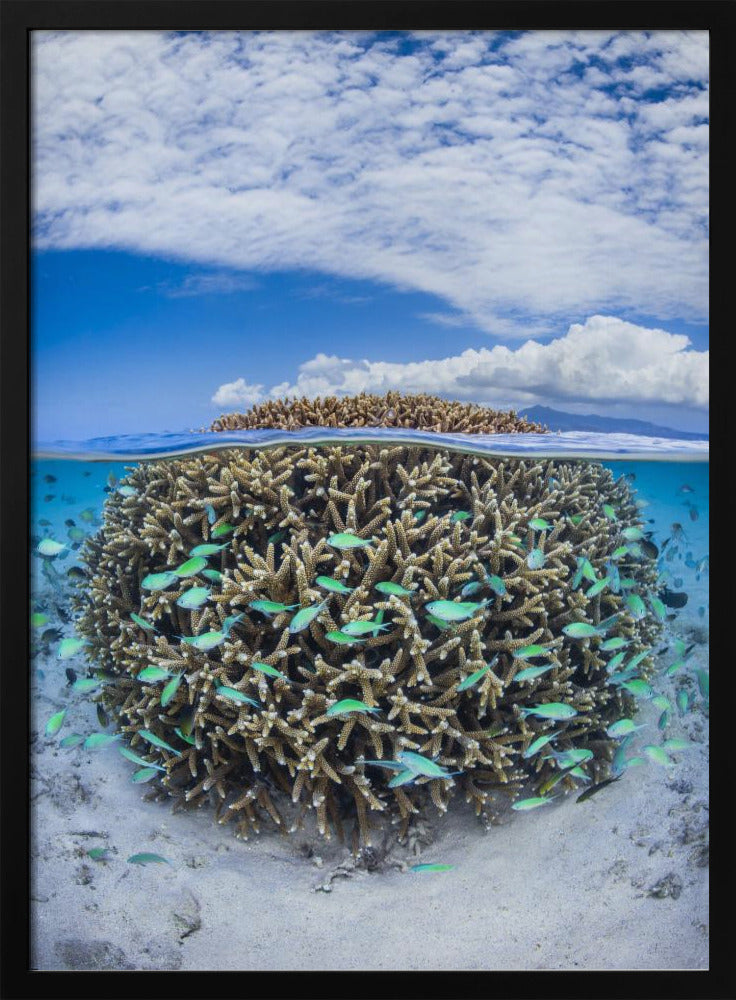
[(603, 360), (522, 178), (238, 393)]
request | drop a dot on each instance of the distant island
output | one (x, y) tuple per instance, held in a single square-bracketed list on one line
[(558, 420)]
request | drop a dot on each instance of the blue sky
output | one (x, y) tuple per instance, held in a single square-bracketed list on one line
[(512, 219)]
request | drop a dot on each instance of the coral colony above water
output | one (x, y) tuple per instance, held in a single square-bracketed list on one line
[(363, 630)]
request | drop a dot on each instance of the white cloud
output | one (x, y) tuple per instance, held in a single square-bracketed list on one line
[(528, 176), (238, 393), (602, 361)]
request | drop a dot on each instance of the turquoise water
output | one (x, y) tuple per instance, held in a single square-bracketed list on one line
[(670, 479)]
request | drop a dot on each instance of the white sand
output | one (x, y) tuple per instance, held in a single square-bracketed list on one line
[(564, 887)]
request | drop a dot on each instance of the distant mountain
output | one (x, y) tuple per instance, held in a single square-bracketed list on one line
[(557, 420)]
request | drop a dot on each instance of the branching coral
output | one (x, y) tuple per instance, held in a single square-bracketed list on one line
[(395, 409), (447, 527)]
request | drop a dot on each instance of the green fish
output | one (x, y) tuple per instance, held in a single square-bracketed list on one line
[(345, 540), (76, 534), (657, 754), (159, 581), (615, 661), (170, 690), (530, 673), (147, 859), (142, 623), (473, 678), (455, 611), (622, 728), (598, 587), (539, 524), (635, 549), (55, 723), (674, 667), (194, 598), (85, 684), (153, 674), (389, 587), (620, 552), (661, 703), (663, 721), (627, 582), (127, 491), (533, 803), (536, 559), (99, 854), (204, 550), (609, 512), (221, 529), (98, 740), (145, 774), (206, 641), (402, 778), (419, 515), (632, 534), (186, 737), (471, 588), (575, 518), (683, 700), (555, 779), (213, 574), (540, 742), (569, 758), (636, 660), (677, 744), (431, 868), (334, 586), (551, 710), (531, 652), (37, 619), (157, 741), (48, 547), (234, 695), (302, 619), (639, 688), (266, 668), (276, 537), (636, 606), (271, 607), (87, 515), (191, 567), (342, 639), (349, 705), (580, 630), (657, 606), (703, 682), (460, 515), (497, 586), (69, 647), (361, 627), (127, 753), (229, 622), (588, 571), (438, 623), (73, 740), (615, 643), (418, 764)]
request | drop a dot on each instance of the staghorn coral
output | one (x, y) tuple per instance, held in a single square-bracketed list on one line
[(283, 505), (395, 409)]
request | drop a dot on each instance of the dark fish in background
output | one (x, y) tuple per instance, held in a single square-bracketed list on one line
[(686, 489), (71, 675), (49, 479), (70, 523), (673, 599), (102, 716), (44, 522), (49, 497), (63, 614), (649, 548), (694, 514), (76, 573), (594, 788), (66, 499), (108, 489), (87, 473), (51, 635), (665, 543)]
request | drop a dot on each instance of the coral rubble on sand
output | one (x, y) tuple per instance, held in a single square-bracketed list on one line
[(240, 714), (395, 409)]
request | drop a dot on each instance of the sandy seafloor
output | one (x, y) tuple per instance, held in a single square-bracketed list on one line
[(618, 882)]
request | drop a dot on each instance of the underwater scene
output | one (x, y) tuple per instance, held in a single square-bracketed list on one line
[(349, 661)]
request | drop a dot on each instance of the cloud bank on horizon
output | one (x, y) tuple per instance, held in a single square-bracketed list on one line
[(527, 179), (604, 360)]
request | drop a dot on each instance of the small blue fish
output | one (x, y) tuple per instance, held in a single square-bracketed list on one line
[(536, 559)]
